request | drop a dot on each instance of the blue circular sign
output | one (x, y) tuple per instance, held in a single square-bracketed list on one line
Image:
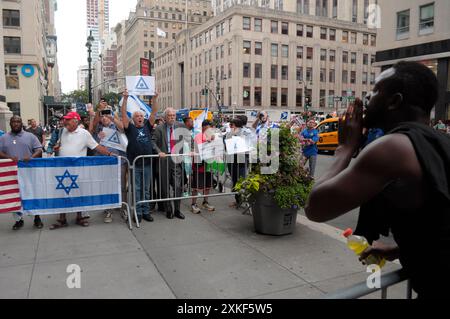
[(28, 70)]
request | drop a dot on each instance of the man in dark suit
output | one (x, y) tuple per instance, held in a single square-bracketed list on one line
[(168, 139)]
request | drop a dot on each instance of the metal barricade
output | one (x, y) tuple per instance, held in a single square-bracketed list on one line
[(361, 289), (127, 204), (177, 177)]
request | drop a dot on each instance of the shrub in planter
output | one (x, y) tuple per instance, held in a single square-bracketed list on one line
[(276, 198)]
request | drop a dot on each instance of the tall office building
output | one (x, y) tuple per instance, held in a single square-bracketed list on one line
[(97, 17)]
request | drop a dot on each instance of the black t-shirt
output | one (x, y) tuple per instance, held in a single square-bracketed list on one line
[(38, 132), (139, 141)]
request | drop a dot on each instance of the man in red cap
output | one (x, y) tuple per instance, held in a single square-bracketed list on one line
[(74, 142)]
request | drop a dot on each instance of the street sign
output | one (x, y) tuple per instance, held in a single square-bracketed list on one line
[(338, 99), (145, 67)]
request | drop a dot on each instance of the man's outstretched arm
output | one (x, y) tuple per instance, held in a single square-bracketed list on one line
[(348, 187)]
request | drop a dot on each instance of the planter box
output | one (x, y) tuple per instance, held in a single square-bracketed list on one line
[(269, 219)]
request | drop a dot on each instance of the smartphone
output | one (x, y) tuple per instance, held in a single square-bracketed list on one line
[(106, 112)]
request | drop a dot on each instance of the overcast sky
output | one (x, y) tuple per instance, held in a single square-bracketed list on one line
[(70, 20)]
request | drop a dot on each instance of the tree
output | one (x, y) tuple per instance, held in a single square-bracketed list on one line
[(77, 96), (112, 98)]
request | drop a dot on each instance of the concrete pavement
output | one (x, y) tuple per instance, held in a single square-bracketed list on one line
[(211, 255)]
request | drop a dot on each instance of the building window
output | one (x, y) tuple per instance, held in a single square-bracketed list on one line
[(309, 53), (299, 52), (229, 71), (402, 23), (258, 70), (332, 34), (258, 48), (258, 25), (353, 77), (12, 45), (299, 30), (11, 77), (247, 47), (246, 96), (246, 70), (257, 96), (322, 8), (323, 33), (309, 31), (344, 76), (365, 59), (332, 55), (285, 28), (273, 96), (274, 26), (299, 98), (284, 72), (11, 18), (373, 40), (355, 11), (372, 59), (303, 6), (345, 57), (323, 54), (222, 51), (353, 58), (246, 23), (285, 51), (365, 78), (218, 52), (332, 76), (274, 72), (335, 9), (14, 108), (372, 78), (229, 48), (309, 74), (323, 75), (365, 39), (426, 23), (299, 73), (274, 50), (353, 38), (345, 36), (323, 98), (284, 97)]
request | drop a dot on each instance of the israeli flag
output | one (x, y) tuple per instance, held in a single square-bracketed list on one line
[(199, 120), (135, 104), (67, 185)]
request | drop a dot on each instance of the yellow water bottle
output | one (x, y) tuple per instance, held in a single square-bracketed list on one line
[(358, 244)]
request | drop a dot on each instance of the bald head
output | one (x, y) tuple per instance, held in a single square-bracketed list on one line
[(16, 124)]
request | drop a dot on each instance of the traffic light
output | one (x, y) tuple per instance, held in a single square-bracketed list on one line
[(307, 102)]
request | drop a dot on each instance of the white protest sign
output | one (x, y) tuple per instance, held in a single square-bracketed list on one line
[(141, 85), (210, 150), (236, 145), (114, 139)]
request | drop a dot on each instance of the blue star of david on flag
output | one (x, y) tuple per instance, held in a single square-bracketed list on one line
[(72, 178)]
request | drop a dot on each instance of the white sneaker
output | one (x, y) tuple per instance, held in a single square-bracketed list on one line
[(209, 207), (195, 209), (108, 217)]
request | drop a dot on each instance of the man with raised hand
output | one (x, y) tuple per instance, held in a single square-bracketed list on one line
[(400, 181)]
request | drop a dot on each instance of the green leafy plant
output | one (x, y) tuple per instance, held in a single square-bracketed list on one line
[(290, 185)]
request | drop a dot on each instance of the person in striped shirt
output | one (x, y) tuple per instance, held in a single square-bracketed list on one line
[(19, 145)]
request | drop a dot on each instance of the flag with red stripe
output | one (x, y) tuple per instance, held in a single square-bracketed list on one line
[(9, 188)]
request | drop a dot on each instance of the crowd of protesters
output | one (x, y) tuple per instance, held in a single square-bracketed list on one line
[(77, 136)]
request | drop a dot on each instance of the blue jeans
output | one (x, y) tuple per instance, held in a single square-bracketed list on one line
[(143, 179), (312, 164)]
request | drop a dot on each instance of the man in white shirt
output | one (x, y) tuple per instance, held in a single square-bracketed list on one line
[(74, 142)]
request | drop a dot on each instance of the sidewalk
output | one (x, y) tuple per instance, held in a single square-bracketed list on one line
[(212, 255)]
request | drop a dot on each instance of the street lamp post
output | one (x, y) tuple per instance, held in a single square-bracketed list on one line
[(90, 39)]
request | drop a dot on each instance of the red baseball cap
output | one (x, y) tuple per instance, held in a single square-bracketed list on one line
[(72, 115)]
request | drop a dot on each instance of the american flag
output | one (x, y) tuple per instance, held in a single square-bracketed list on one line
[(9, 187)]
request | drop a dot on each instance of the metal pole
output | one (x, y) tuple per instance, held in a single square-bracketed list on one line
[(89, 45)]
